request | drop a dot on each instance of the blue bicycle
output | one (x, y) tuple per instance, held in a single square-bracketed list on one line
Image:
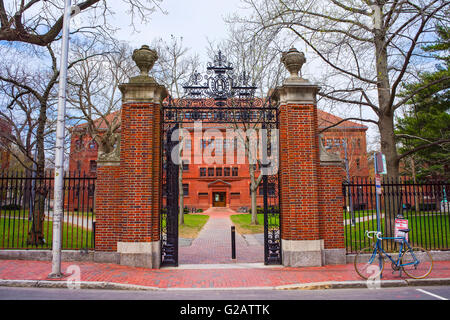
[(416, 262)]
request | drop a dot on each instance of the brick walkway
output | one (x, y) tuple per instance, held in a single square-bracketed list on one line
[(213, 244), (199, 278)]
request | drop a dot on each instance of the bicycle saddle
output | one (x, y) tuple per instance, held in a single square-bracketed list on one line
[(404, 230)]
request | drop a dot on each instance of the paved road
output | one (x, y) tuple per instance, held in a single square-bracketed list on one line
[(401, 293)]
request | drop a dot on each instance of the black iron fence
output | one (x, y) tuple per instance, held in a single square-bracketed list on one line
[(426, 206), (26, 211)]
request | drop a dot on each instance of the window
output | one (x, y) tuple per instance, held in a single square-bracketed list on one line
[(235, 172), (210, 172), (358, 164), (337, 142), (93, 166), (329, 142), (185, 190), (270, 189), (202, 172), (186, 166), (92, 145), (226, 172), (359, 143), (79, 144), (219, 172), (187, 145), (78, 165), (261, 191), (228, 144), (91, 190)]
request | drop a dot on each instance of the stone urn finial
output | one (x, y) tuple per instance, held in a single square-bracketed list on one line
[(293, 60), (144, 58)]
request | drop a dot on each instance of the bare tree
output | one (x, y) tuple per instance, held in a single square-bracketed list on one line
[(39, 22), (29, 93), (172, 69), (94, 99), (369, 49)]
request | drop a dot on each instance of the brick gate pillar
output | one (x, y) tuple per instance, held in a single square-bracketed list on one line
[(129, 196), (301, 179)]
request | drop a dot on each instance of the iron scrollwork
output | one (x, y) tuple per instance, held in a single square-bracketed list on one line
[(219, 83)]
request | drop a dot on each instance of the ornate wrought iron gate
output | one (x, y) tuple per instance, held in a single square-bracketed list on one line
[(169, 214), (220, 97)]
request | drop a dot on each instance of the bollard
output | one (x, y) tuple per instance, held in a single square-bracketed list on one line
[(233, 242)]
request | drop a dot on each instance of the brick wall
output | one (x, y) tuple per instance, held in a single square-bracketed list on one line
[(311, 191), (108, 204), (331, 226), (140, 164), (298, 172)]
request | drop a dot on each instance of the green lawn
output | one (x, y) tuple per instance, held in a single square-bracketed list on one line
[(193, 223), (360, 213), (14, 233), (428, 231), (244, 226)]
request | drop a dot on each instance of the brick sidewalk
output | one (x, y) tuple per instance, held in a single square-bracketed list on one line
[(199, 278)]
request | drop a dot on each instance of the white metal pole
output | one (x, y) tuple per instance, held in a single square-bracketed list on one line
[(59, 148)]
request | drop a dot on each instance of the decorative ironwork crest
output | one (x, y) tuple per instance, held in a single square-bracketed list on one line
[(219, 82)]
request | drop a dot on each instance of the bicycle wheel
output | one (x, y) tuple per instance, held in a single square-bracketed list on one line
[(367, 263), (420, 263)]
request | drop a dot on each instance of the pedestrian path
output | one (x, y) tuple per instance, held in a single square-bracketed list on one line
[(213, 244), (34, 273)]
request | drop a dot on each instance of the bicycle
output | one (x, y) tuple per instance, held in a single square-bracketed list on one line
[(416, 262)]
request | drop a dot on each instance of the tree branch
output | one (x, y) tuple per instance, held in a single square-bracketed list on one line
[(423, 146), (347, 119)]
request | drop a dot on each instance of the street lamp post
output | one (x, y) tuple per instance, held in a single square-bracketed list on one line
[(59, 148)]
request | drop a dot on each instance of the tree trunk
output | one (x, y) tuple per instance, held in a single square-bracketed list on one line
[(416, 195), (392, 202), (253, 190), (36, 232), (386, 128), (254, 208)]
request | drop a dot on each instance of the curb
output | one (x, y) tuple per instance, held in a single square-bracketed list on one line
[(365, 284), (49, 284)]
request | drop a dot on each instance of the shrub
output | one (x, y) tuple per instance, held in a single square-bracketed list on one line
[(11, 207)]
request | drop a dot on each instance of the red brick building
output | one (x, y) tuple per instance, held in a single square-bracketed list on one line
[(228, 185), (355, 136)]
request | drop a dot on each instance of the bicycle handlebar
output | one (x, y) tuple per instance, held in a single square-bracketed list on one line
[(377, 234)]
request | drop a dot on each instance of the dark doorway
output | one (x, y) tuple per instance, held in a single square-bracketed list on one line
[(219, 199)]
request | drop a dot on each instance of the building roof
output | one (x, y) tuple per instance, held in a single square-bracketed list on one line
[(100, 122), (326, 119)]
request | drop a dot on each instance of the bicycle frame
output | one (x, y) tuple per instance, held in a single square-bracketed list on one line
[(377, 246)]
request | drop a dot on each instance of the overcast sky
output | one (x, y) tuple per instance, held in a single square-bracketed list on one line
[(197, 21), (194, 20)]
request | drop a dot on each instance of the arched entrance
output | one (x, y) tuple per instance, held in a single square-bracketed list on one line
[(137, 184), (216, 107)]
